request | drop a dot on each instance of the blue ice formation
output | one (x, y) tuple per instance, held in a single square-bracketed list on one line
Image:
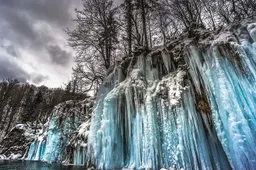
[(192, 111), (79, 155), (228, 74), (79, 144), (51, 145)]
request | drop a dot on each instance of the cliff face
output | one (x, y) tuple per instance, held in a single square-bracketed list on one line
[(188, 105)]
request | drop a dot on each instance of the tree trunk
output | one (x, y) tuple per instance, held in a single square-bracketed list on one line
[(129, 26), (144, 24)]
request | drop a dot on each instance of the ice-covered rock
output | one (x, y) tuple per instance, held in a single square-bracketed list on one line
[(51, 145), (78, 144), (14, 156), (190, 105)]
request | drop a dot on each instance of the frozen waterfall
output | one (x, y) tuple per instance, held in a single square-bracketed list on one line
[(51, 144), (195, 111), (188, 105)]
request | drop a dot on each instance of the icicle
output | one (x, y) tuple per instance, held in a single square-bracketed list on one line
[(232, 95), (138, 125)]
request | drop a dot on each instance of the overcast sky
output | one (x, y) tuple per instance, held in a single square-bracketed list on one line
[(33, 45)]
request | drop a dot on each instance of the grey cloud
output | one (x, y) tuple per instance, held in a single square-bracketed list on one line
[(58, 55), (20, 23), (21, 30), (10, 49), (29, 25), (56, 11), (37, 79), (11, 70), (21, 17)]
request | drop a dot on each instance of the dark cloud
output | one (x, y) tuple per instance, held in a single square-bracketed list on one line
[(10, 49), (55, 11), (21, 18), (37, 79), (21, 29), (20, 23), (9, 69), (58, 55), (29, 26)]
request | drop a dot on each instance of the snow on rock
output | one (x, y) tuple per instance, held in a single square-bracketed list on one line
[(171, 84), (14, 156), (16, 143), (252, 31), (29, 133), (83, 130), (223, 38), (3, 157)]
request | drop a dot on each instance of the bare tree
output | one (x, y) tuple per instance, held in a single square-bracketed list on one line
[(94, 40), (141, 23), (128, 6)]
